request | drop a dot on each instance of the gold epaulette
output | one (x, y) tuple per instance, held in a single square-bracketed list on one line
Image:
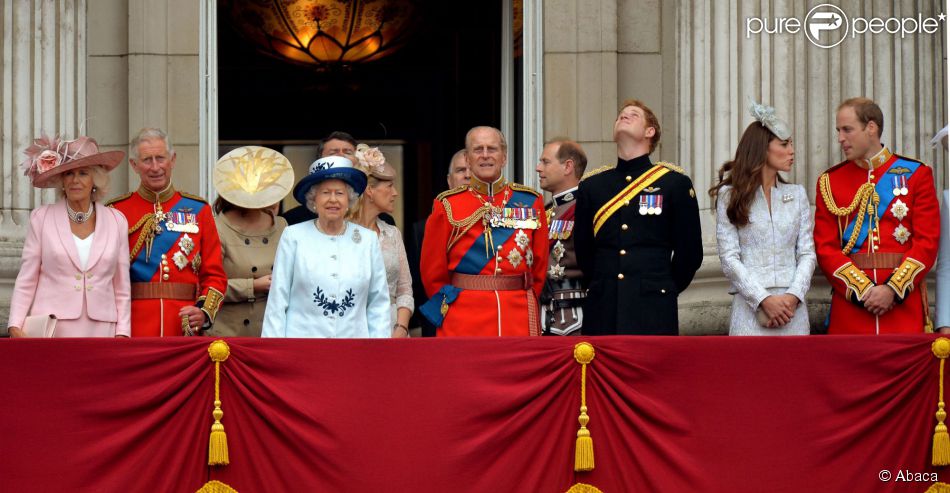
[(596, 171), (902, 280), (117, 199), (854, 279), (524, 188), (671, 167), (192, 196), (451, 191)]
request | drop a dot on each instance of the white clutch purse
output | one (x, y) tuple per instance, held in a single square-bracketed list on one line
[(40, 325)]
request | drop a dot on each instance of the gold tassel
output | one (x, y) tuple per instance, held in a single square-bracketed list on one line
[(218, 443), (941, 440), (584, 446)]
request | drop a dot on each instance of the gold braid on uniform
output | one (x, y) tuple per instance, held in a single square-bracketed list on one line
[(865, 202), (148, 235), (459, 228)]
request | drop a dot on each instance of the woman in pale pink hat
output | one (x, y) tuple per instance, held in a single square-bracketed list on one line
[(75, 264)]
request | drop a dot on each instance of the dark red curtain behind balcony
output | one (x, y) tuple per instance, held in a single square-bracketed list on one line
[(711, 414)]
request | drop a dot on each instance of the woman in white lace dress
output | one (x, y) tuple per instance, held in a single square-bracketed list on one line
[(380, 196), (764, 231)]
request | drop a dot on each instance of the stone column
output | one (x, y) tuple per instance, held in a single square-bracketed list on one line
[(42, 83), (719, 69), (580, 75)]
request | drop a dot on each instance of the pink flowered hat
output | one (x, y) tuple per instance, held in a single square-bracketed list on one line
[(48, 157)]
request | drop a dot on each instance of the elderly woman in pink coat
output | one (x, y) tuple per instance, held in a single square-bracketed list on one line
[(75, 264)]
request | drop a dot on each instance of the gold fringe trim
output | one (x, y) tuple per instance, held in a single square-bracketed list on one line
[(941, 440), (218, 443), (215, 486), (584, 445), (583, 488), (938, 488)]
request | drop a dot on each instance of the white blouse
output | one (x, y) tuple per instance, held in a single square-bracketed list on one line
[(83, 247), (328, 286)]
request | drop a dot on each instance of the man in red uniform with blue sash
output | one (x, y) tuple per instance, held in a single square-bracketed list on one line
[(178, 280), (485, 249), (877, 228)]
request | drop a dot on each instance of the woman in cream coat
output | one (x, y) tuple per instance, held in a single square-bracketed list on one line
[(75, 262), (764, 232), (250, 181)]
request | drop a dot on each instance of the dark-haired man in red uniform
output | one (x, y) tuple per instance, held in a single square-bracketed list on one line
[(877, 227)]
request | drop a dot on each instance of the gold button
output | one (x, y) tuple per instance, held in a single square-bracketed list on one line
[(88, 288), (620, 276), (78, 276), (78, 288), (498, 271), (624, 227), (164, 277), (89, 275), (871, 177), (499, 258), (499, 248), (165, 269), (629, 178), (663, 291), (163, 256), (626, 202), (623, 252)]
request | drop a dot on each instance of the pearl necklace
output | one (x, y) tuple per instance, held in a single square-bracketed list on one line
[(79, 217), (341, 233)]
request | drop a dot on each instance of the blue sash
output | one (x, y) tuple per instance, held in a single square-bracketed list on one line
[(885, 191), (475, 259), (142, 270), (472, 263)]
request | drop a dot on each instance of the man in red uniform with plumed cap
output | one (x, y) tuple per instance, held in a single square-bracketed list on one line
[(877, 227), (178, 280), (485, 249)]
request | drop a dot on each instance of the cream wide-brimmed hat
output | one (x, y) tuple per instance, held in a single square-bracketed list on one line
[(253, 177)]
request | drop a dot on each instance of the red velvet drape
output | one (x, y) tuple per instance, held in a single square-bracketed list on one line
[(667, 414)]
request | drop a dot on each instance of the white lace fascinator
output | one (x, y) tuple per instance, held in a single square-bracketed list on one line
[(766, 116)]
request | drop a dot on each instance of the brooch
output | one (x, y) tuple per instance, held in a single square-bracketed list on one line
[(186, 244), (180, 260), (901, 234), (356, 236), (522, 239), (787, 197), (514, 256), (899, 209)]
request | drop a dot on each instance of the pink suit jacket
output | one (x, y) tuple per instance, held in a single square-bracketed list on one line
[(51, 280)]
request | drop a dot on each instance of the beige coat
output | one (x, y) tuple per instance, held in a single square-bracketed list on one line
[(246, 257)]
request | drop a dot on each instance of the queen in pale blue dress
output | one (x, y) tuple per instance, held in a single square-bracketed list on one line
[(329, 279)]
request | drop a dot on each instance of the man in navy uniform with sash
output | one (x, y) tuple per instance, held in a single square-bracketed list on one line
[(178, 280), (637, 234), (560, 169)]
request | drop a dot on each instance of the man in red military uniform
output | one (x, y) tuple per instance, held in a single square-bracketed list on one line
[(877, 227), (176, 268), (485, 249)]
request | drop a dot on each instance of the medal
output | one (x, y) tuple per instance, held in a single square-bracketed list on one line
[(644, 208), (659, 205)]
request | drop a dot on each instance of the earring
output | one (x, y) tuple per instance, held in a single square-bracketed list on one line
[(93, 189)]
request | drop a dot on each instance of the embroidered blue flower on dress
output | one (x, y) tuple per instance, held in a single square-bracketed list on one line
[(333, 306)]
